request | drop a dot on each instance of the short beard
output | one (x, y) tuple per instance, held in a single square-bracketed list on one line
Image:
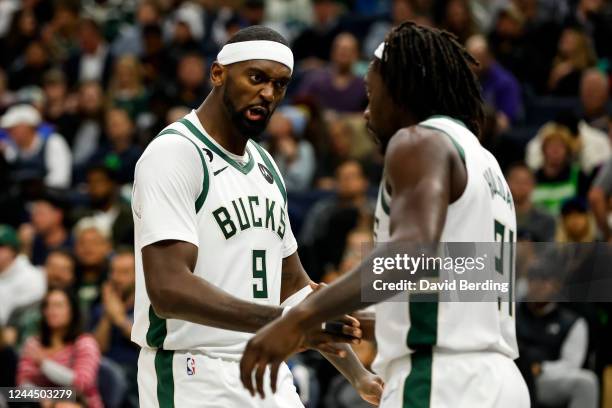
[(247, 128)]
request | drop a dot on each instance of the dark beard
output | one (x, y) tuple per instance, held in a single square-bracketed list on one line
[(247, 128)]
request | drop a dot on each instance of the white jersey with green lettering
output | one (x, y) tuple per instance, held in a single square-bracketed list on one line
[(188, 188), (483, 213)]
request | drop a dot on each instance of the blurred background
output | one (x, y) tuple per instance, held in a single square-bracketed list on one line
[(85, 85)]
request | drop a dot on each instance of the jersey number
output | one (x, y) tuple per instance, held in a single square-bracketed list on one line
[(500, 236), (260, 283)]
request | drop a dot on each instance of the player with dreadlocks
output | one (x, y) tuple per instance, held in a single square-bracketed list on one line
[(439, 186)]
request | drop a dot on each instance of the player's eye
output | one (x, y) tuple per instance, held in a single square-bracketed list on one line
[(280, 85), (256, 78)]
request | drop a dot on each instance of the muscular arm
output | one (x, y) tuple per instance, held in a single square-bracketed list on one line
[(177, 293), (425, 174)]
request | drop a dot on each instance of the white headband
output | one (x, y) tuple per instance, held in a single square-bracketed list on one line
[(378, 53), (256, 49)]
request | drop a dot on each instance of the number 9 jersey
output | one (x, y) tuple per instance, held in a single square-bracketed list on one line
[(234, 209)]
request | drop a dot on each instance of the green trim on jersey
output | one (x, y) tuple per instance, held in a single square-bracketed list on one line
[(205, 183), (272, 169), (417, 386), (453, 141), (165, 378), (423, 331), (157, 331), (457, 121), (384, 204), (245, 169)]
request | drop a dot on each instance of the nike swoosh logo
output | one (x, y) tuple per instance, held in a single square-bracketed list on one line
[(219, 171)]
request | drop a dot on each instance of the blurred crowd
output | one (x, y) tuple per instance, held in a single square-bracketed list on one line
[(85, 85)]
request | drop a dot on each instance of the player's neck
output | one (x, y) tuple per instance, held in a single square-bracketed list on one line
[(219, 126)]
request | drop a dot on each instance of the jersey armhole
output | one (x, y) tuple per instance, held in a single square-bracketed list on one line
[(199, 203)]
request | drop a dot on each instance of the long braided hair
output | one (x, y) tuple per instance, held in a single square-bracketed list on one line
[(428, 72)]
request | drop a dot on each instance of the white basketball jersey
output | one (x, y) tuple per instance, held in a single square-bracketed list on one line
[(483, 213), (187, 187)]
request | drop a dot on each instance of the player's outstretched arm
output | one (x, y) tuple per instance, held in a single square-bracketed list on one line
[(342, 356), (424, 175)]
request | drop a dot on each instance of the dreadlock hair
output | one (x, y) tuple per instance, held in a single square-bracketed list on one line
[(428, 72)]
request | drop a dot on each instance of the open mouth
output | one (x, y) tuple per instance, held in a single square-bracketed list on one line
[(256, 113)]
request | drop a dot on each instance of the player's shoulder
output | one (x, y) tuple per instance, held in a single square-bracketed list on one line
[(170, 142), (418, 140)]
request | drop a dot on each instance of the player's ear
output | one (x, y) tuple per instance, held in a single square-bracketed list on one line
[(217, 74)]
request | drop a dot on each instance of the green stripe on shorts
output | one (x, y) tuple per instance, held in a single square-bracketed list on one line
[(417, 386), (165, 378)]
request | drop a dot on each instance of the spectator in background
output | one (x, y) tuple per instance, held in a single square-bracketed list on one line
[(294, 156), (323, 235), (22, 31), (500, 89), (90, 116), (336, 87), (113, 318), (92, 249), (60, 268), (28, 70), (6, 96), (594, 93), (593, 147), (34, 155), (93, 61), (127, 90), (554, 340), (455, 16), (559, 179), (121, 154), (401, 10), (61, 355), (532, 223), (313, 45), (600, 199), (61, 34), (592, 17), (191, 85), (106, 206), (48, 219), (129, 41), (57, 108), (8, 368), (154, 56), (21, 284), (576, 225), (187, 32), (574, 55)]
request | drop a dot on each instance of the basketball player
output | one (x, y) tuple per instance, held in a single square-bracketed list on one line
[(425, 108), (216, 259)]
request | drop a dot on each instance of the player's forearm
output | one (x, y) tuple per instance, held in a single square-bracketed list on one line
[(195, 300), (350, 366)]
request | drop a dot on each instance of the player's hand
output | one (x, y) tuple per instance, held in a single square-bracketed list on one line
[(271, 345), (326, 338), (370, 388)]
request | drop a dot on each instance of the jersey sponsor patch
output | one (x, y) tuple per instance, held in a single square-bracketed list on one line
[(266, 173)]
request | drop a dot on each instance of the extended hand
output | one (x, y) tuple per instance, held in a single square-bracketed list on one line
[(278, 340), (370, 388)]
